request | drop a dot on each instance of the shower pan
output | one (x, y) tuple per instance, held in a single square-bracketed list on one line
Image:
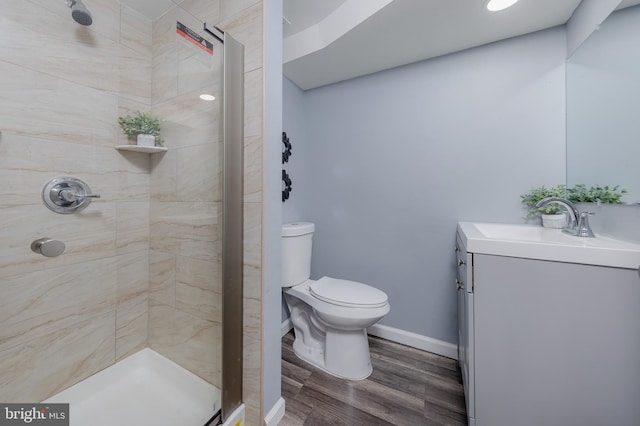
[(129, 309)]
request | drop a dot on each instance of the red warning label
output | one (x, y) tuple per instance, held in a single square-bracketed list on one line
[(195, 38)]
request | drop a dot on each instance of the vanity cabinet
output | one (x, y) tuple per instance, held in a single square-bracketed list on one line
[(548, 343)]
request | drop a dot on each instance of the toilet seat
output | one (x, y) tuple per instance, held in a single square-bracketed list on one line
[(347, 293)]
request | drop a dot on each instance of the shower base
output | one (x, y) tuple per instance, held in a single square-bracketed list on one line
[(144, 389)]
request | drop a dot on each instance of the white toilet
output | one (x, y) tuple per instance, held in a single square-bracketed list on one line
[(329, 315)]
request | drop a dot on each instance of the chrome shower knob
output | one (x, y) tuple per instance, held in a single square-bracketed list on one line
[(67, 195)]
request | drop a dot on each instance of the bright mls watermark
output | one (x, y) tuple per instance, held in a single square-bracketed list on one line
[(34, 414)]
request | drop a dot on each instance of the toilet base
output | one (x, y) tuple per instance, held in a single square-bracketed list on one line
[(346, 354), (331, 337)]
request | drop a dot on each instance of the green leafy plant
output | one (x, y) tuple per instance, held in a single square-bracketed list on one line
[(596, 194), (531, 198), (141, 123)]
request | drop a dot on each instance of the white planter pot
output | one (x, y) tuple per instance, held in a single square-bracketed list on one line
[(554, 220), (146, 140)]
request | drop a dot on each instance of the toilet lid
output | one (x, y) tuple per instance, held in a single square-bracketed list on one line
[(347, 293)]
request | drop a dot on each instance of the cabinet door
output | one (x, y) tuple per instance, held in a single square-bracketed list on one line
[(467, 365), (555, 343), (465, 324), (461, 329), (460, 286)]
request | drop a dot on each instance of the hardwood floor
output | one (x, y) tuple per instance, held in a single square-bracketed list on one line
[(407, 387)]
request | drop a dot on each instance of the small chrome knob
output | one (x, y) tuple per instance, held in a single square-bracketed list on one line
[(48, 247), (461, 262), (459, 284)]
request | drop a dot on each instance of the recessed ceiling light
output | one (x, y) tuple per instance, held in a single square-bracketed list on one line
[(496, 5), (206, 97)]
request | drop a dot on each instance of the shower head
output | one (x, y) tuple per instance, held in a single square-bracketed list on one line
[(79, 12)]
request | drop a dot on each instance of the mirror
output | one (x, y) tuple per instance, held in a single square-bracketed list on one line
[(603, 106)]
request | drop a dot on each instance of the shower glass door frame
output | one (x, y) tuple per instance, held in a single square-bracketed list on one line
[(233, 219)]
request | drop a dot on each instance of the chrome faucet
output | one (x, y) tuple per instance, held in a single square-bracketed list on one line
[(578, 222)]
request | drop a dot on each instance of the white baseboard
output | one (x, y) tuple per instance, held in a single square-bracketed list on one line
[(236, 418), (286, 327), (275, 414), (414, 340)]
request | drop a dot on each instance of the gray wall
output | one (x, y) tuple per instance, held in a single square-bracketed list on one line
[(393, 160), (294, 120), (271, 249)]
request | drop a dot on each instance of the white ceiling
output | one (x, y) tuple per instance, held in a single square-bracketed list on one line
[(399, 32), (304, 14), (326, 41)]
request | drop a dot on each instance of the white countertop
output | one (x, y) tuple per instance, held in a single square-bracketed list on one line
[(536, 242)]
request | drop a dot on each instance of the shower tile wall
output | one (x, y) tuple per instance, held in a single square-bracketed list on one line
[(62, 88), (61, 91)]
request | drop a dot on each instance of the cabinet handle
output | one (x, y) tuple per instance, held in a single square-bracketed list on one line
[(456, 249), (461, 262), (459, 284)]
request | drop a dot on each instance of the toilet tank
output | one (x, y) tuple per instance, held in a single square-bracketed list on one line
[(296, 252)]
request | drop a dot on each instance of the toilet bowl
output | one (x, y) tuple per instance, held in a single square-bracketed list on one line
[(329, 316)]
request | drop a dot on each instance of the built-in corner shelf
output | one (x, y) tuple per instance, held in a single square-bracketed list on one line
[(137, 148)]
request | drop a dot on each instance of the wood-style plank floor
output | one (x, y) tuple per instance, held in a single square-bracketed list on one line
[(407, 387)]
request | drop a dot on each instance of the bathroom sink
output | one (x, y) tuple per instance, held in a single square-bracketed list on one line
[(536, 242), (519, 232)]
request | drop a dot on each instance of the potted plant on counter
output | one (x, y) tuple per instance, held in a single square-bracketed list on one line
[(142, 127), (553, 215)]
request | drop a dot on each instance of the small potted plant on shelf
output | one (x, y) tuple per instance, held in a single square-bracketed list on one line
[(553, 215), (142, 127), (596, 194)]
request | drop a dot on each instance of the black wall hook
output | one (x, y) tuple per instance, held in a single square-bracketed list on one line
[(286, 180), (286, 153)]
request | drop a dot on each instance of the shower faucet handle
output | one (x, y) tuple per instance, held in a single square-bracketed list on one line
[(67, 194), (71, 195)]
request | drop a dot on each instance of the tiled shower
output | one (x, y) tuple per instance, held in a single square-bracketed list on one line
[(142, 263)]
